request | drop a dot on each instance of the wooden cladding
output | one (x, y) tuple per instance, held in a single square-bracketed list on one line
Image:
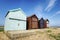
[(42, 23), (34, 19), (32, 22)]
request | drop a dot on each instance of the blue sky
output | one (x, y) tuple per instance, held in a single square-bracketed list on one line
[(48, 9)]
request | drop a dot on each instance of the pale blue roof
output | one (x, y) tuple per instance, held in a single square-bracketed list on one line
[(14, 10)]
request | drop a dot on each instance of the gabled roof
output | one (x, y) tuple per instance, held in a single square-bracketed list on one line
[(14, 10), (42, 19), (47, 20), (33, 16)]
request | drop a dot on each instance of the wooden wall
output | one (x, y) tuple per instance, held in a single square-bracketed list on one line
[(42, 23), (32, 22)]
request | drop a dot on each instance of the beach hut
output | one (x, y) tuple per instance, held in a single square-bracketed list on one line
[(15, 20), (41, 23), (32, 22), (47, 22)]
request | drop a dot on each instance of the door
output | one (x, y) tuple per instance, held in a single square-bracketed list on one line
[(42, 23), (34, 25)]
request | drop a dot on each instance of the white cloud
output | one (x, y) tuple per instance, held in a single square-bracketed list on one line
[(50, 5), (58, 12), (38, 11)]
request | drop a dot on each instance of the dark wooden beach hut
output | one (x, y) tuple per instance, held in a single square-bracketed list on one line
[(32, 22), (45, 24), (42, 23)]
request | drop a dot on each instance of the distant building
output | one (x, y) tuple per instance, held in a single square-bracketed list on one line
[(43, 23), (15, 20), (32, 22), (47, 22)]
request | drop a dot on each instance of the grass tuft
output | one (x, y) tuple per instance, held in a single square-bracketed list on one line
[(56, 37), (49, 31)]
